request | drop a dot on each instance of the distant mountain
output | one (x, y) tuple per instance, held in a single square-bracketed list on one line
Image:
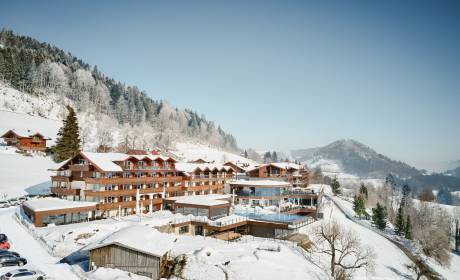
[(353, 157), (454, 172)]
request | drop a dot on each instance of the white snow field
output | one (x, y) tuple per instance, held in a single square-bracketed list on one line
[(22, 175), (193, 151)]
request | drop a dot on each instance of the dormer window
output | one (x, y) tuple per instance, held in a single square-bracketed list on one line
[(141, 164), (128, 164)]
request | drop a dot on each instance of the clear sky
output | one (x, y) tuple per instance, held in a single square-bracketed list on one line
[(279, 74)]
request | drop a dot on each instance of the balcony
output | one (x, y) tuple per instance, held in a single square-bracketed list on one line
[(79, 167), (60, 178), (132, 180), (128, 204), (64, 191)]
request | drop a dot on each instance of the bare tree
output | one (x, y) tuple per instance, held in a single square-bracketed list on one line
[(344, 249)]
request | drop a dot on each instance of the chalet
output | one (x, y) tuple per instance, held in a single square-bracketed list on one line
[(25, 140), (138, 249), (296, 174), (199, 161)]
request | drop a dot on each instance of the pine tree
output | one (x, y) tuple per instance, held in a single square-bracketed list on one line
[(363, 191), (457, 237), (68, 141), (408, 228), (359, 205), (336, 187), (399, 226), (405, 194), (379, 215), (246, 154), (274, 157)]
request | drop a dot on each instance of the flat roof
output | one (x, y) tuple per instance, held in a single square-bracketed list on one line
[(52, 203), (265, 183), (203, 200)]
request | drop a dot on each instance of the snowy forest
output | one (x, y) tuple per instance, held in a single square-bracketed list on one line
[(40, 69)]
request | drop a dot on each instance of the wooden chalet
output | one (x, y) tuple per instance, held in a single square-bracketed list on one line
[(25, 141)]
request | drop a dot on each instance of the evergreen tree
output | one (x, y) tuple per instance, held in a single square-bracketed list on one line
[(390, 181), (274, 157), (405, 194), (408, 228), (444, 196), (336, 187), (68, 141), (399, 226), (457, 237), (246, 154), (363, 191), (359, 205), (379, 215)]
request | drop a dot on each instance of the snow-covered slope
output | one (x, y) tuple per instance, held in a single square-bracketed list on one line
[(22, 175), (352, 157), (191, 151)]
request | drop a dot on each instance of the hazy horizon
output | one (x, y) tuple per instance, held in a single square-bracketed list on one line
[(279, 76)]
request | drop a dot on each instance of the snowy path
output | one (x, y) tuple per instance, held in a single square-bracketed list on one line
[(29, 248)]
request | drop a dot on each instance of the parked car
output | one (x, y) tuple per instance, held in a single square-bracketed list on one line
[(23, 274), (23, 199), (14, 201), (12, 260), (6, 252), (4, 204), (3, 238), (5, 245)]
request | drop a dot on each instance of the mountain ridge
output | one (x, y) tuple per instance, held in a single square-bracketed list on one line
[(355, 158)]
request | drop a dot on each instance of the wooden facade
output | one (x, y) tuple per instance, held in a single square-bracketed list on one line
[(32, 142), (153, 177), (124, 258)]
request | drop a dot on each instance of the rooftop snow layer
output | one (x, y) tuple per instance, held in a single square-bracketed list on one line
[(260, 183), (52, 203), (140, 238), (205, 200)]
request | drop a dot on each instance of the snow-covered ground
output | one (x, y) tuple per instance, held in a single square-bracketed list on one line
[(191, 151), (22, 175), (450, 272)]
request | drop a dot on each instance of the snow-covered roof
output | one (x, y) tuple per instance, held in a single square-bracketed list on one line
[(191, 167), (204, 200), (276, 183), (106, 161), (281, 165), (25, 133), (52, 203), (140, 238)]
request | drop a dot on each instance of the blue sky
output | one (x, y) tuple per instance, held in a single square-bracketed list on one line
[(279, 74)]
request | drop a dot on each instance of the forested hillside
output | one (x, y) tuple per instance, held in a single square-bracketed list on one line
[(45, 71)]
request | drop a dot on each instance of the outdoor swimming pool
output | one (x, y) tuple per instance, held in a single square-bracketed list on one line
[(271, 217)]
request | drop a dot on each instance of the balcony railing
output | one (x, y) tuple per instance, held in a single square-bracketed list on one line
[(79, 167), (132, 180), (64, 191), (128, 204), (60, 178)]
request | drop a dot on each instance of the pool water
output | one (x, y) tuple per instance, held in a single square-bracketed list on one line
[(275, 217)]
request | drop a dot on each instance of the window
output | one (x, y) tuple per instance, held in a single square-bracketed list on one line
[(126, 187), (128, 164), (109, 199), (183, 229), (141, 164)]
